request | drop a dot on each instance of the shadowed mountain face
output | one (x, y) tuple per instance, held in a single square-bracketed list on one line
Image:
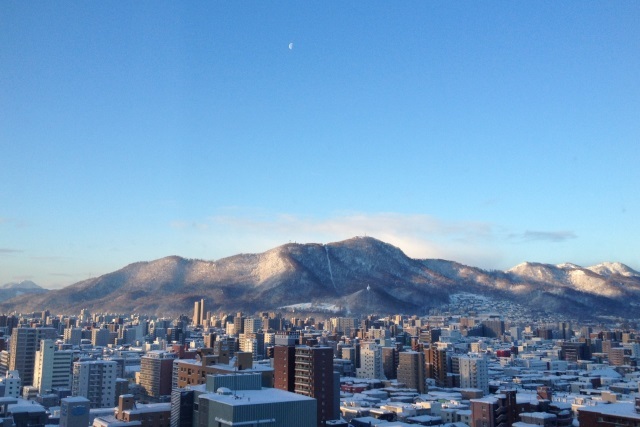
[(358, 275)]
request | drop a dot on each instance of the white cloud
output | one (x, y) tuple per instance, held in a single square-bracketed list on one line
[(549, 236), (419, 236)]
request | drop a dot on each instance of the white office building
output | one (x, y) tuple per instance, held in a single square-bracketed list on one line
[(370, 361), (52, 367)]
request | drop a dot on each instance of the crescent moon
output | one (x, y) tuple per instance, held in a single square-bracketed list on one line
[(290, 46)]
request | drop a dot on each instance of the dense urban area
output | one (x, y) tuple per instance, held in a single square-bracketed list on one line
[(470, 364)]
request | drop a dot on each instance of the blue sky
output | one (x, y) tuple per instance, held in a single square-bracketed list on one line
[(488, 133)]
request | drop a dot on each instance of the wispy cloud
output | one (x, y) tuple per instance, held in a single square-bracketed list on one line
[(357, 224), (49, 258), (548, 236), (185, 225), (5, 251), (418, 235)]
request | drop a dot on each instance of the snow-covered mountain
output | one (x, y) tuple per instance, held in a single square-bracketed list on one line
[(614, 268), (14, 289), (359, 275)]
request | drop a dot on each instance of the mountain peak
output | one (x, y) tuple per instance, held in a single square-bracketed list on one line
[(608, 269), (568, 266), (25, 284)]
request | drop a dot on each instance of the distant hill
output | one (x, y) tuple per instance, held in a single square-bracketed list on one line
[(15, 289), (359, 275)]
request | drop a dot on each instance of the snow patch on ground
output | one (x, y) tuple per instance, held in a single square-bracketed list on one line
[(313, 306), (466, 296)]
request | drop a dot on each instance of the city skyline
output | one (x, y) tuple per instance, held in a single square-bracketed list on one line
[(486, 134)]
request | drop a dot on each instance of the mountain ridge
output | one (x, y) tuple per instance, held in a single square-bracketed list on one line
[(360, 275)]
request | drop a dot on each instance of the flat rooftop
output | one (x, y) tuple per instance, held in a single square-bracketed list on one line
[(253, 397)]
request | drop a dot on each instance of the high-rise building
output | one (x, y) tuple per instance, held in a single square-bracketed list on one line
[(474, 373), (411, 370), (342, 325), (72, 336), (390, 362), (493, 327), (52, 367), (198, 312), (24, 344), (181, 407), (617, 356), (370, 361), (436, 365), (95, 380), (238, 324), (574, 351), (156, 368), (252, 325), (284, 367), (252, 343), (314, 378), (100, 337)]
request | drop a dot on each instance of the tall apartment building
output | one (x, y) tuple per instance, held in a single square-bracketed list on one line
[(95, 380), (342, 325), (390, 362), (493, 327), (411, 370), (100, 337), (238, 323), (73, 336), (24, 344), (284, 367), (182, 401), (252, 325), (22, 357), (619, 356), (156, 368), (314, 378), (474, 373), (436, 365), (52, 367), (252, 343), (370, 361)]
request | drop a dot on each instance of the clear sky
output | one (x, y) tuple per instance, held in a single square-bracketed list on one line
[(489, 133)]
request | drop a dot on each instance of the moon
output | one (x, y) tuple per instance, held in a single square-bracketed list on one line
[(290, 46)]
